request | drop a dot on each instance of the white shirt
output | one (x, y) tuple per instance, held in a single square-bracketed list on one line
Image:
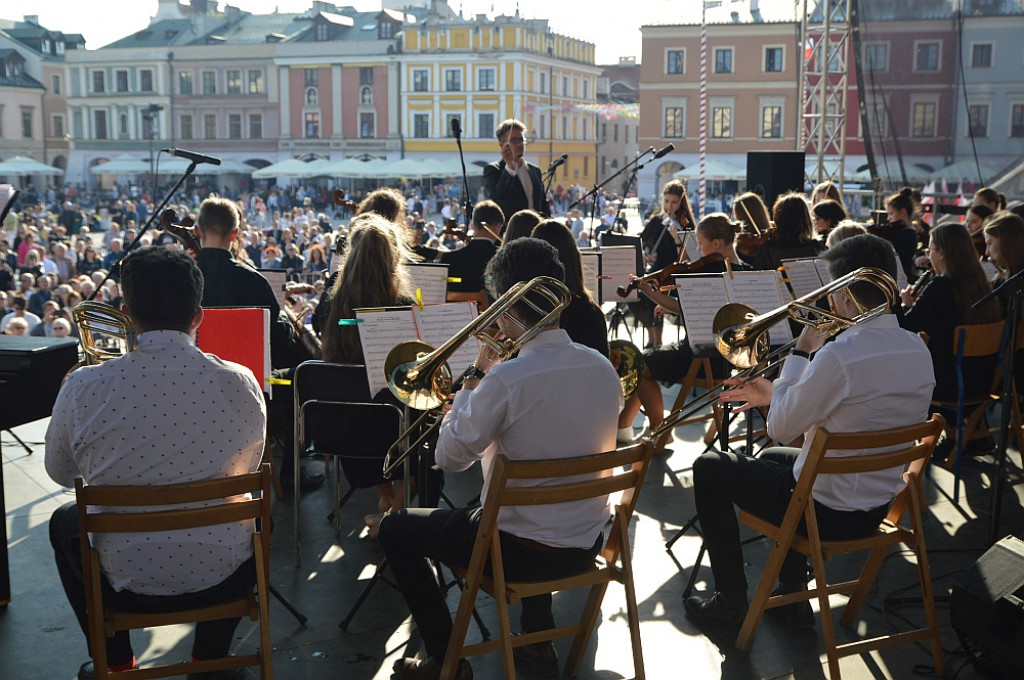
[(556, 399), (31, 319), (874, 376), (523, 173), (162, 414)]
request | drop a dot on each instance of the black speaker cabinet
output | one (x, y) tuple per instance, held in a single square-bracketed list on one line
[(772, 173), (987, 611)]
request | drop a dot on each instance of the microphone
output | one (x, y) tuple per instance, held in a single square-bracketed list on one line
[(668, 148), (456, 128), (193, 156), (558, 161)]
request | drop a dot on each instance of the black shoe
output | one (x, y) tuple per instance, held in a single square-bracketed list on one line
[(86, 672), (796, 615), (540, 658), (721, 612)]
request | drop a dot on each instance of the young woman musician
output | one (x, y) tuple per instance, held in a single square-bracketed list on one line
[(827, 216), (1004, 246), (900, 231), (991, 198), (716, 234), (795, 233), (755, 222), (975, 223), (825, 191)]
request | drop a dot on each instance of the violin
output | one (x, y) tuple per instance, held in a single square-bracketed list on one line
[(341, 201), (184, 231), (452, 228), (748, 242), (978, 238), (663, 277)]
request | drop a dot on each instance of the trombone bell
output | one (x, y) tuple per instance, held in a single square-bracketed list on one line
[(419, 389), (106, 332), (741, 343), (628, 361)]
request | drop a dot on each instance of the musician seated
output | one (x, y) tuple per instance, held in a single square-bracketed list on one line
[(874, 376), (795, 233), (467, 264), (716, 235), (555, 399), (103, 431)]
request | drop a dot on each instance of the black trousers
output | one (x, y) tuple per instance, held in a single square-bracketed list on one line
[(411, 537), (761, 486), (212, 638)]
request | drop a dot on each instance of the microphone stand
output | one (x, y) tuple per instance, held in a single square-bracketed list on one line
[(635, 165), (457, 130)]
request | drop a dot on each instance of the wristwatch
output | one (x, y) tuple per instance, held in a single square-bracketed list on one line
[(800, 353), (473, 372)]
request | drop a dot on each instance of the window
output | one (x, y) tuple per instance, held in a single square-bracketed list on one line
[(675, 62), (543, 83), (876, 57), (234, 81), (565, 128), (485, 79), (453, 80), (185, 82), (312, 77), (185, 127), (209, 82), (586, 89), (721, 122), (58, 126), (927, 56), (1017, 121), (386, 30), (978, 114), (367, 123), (674, 122), (26, 123), (255, 81), (366, 75), (256, 126), (146, 80), (312, 129), (981, 55), (723, 60), (771, 122), (210, 126), (322, 32), (448, 123), (485, 125), (55, 87), (565, 86), (234, 126), (98, 82), (923, 123), (420, 80), (366, 96), (615, 132), (420, 125), (99, 127), (122, 80), (122, 126), (773, 60)]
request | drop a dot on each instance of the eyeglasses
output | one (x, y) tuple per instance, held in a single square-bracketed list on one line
[(514, 140)]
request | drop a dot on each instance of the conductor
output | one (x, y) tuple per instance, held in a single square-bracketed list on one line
[(513, 183)]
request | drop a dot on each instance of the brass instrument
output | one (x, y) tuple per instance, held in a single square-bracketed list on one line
[(96, 320), (741, 336), (628, 361)]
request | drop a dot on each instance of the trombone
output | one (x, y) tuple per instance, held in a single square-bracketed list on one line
[(742, 337), (95, 320)]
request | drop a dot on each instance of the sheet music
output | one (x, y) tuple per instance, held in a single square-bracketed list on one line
[(591, 270), (276, 278), (784, 292), (617, 262), (822, 266), (760, 291), (379, 331), (430, 280), (700, 297), (437, 324), (901, 277), (690, 245), (803, 275)]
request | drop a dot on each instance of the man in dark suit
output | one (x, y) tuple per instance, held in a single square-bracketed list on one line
[(513, 183), (467, 264)]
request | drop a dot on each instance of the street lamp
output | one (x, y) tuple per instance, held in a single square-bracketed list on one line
[(149, 115)]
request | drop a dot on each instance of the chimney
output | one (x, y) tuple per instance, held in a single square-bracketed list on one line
[(32, 19), (167, 10), (754, 6)]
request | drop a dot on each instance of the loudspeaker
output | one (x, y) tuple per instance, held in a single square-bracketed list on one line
[(773, 173), (987, 611)]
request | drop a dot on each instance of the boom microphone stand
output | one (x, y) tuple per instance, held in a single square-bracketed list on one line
[(457, 133)]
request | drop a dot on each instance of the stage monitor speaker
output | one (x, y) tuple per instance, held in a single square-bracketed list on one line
[(772, 173), (987, 611)]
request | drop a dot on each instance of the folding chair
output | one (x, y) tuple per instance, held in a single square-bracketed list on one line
[(604, 476), (698, 376), (913, 446), (134, 516)]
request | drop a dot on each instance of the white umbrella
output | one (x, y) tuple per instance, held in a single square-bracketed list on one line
[(122, 165), (713, 170), (226, 167), (408, 167), (292, 167), (22, 165), (355, 168)]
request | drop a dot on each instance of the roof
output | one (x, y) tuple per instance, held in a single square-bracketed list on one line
[(10, 57)]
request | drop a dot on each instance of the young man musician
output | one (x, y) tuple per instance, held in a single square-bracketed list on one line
[(520, 409), (467, 264), (874, 376), (102, 430), (513, 183)]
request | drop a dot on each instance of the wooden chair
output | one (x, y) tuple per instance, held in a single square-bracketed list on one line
[(133, 515), (613, 564), (698, 376), (914, 448), (479, 297)]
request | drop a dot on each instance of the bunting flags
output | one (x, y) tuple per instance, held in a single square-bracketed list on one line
[(606, 111)]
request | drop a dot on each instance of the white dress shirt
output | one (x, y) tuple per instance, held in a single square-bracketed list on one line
[(557, 399), (162, 414), (874, 376), (523, 173)]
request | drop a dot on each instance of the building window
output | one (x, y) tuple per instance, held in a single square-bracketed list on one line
[(58, 126), (312, 129), (771, 122), (485, 125), (927, 56), (615, 132), (186, 127), (420, 80), (723, 60), (26, 123), (586, 89), (122, 80), (366, 96), (978, 114), (234, 126), (55, 87), (99, 124), (981, 55), (98, 82), (209, 82), (256, 126), (876, 57), (322, 31), (1017, 121), (721, 122), (210, 126), (366, 75), (185, 82), (234, 81), (773, 60), (485, 79), (312, 97), (674, 122), (543, 83), (453, 80), (146, 80), (255, 81), (448, 123), (565, 86), (312, 77), (386, 30), (122, 126), (675, 62), (923, 123), (420, 125), (367, 123)]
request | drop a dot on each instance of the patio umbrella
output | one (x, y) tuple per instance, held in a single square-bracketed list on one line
[(122, 165), (22, 165), (966, 169), (409, 167), (291, 167), (832, 170), (714, 170)]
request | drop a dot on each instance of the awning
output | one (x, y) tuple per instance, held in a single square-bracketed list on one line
[(22, 165)]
